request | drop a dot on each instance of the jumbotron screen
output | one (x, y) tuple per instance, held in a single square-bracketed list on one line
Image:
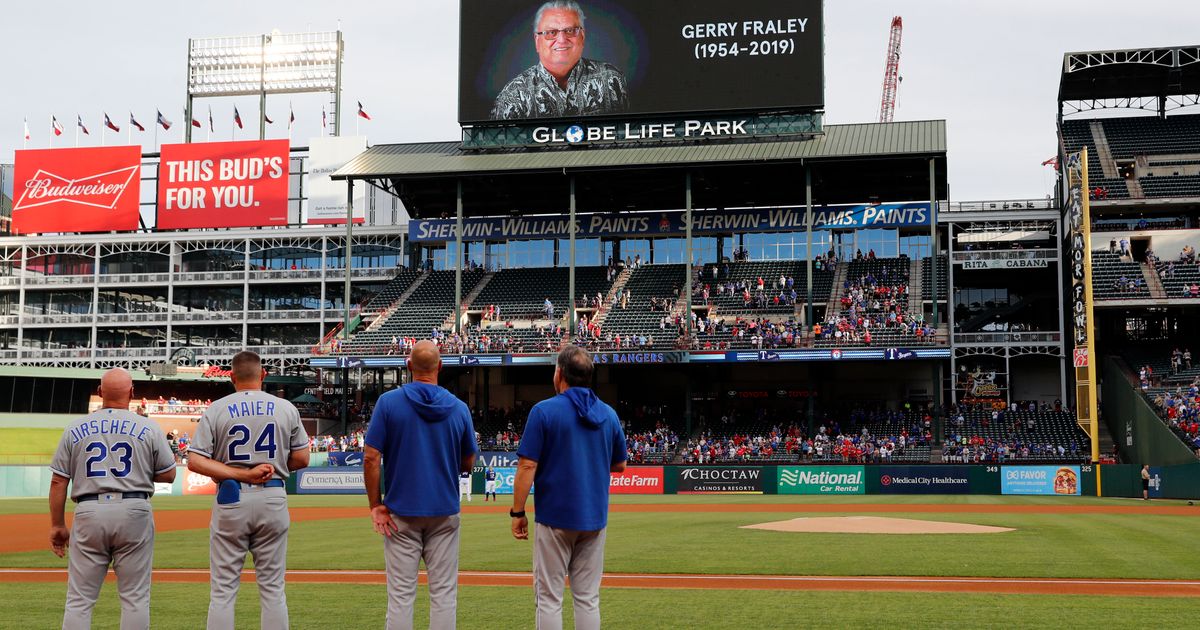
[(524, 60)]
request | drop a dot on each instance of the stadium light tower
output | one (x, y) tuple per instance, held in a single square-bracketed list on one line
[(277, 63), (891, 72)]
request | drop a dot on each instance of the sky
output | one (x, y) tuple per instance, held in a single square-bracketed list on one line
[(989, 68)]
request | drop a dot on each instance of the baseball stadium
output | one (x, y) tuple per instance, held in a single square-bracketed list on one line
[(847, 399)]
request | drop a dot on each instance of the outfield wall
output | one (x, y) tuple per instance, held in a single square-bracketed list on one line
[(1116, 480)]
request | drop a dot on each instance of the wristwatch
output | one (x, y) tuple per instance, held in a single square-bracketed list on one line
[(520, 514)]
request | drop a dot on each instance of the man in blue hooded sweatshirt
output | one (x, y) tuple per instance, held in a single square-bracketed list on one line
[(570, 445), (426, 437)]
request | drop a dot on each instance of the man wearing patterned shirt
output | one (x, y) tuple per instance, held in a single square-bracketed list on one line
[(562, 83)]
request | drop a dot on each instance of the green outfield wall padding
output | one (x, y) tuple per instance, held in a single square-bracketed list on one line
[(984, 479), (670, 480), (1140, 434), (36, 420), (1087, 480), (1181, 482), (1120, 480)]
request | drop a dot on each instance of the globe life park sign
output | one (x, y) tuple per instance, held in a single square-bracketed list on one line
[(648, 131)]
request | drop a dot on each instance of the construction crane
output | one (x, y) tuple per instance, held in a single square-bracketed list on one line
[(891, 73)]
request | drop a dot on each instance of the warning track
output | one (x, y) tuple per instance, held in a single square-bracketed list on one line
[(1015, 586)]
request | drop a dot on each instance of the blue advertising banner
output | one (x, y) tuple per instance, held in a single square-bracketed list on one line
[(1156, 478), (884, 215), (348, 480), (1061, 480), (920, 479), (345, 458), (505, 478)]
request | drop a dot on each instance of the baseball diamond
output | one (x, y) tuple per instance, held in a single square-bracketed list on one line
[(713, 340)]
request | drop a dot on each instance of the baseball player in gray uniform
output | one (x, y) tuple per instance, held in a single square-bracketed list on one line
[(248, 442), (111, 459)]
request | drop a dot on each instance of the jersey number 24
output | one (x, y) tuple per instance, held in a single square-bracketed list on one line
[(264, 444)]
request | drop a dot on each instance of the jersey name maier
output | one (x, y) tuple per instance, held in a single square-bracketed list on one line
[(726, 474)]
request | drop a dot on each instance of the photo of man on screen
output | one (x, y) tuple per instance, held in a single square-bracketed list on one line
[(563, 83)]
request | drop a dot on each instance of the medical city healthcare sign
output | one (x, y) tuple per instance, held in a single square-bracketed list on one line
[(76, 190), (223, 184)]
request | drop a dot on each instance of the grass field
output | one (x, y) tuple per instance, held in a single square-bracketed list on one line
[(28, 446), (1043, 545)]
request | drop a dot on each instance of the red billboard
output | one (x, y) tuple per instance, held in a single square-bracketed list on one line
[(76, 190), (637, 480), (223, 184)]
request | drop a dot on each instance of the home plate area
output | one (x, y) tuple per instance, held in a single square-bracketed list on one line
[(874, 525)]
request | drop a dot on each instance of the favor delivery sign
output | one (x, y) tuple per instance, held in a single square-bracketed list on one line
[(223, 184), (76, 190)]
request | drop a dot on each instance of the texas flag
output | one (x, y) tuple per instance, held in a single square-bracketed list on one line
[(237, 118), (79, 122), (195, 123), (361, 112), (324, 123), (210, 121), (162, 120), (109, 123), (133, 121), (58, 129), (26, 128)]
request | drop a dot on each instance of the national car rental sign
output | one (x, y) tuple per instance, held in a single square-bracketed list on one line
[(223, 184), (76, 190)]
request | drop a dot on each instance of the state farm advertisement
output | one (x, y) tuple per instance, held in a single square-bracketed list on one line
[(223, 184), (637, 480), (76, 190)]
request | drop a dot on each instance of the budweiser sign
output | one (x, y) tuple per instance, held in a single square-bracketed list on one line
[(76, 190), (215, 372)]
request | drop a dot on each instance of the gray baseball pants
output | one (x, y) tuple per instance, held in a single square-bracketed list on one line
[(434, 538), (558, 553), (257, 523), (116, 530)]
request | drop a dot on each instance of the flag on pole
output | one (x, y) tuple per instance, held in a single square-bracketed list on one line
[(109, 123), (162, 120), (133, 121), (362, 113), (195, 123), (27, 129), (291, 117), (79, 122), (268, 119), (210, 120), (237, 118), (58, 129), (324, 123)]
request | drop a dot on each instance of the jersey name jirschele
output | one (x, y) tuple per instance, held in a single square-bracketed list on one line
[(112, 450)]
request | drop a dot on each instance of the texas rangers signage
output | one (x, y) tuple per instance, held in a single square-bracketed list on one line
[(884, 215), (223, 184), (615, 358), (76, 190)]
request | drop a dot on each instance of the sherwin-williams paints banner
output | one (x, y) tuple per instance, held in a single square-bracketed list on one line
[(76, 190), (223, 184)]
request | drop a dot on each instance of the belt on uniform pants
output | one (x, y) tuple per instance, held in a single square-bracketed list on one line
[(274, 483), (124, 495)]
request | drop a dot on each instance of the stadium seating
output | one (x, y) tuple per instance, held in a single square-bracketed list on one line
[(423, 312), (645, 282), (391, 291), (521, 293), (769, 271), (1140, 137), (943, 276), (1054, 428), (1108, 270)]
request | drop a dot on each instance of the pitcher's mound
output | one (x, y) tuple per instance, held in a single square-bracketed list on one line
[(874, 525)]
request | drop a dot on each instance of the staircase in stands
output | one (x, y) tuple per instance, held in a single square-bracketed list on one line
[(609, 299), (1153, 282), (391, 308)]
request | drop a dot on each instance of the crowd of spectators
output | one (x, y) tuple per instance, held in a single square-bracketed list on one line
[(651, 445), (173, 406), (1180, 410)]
